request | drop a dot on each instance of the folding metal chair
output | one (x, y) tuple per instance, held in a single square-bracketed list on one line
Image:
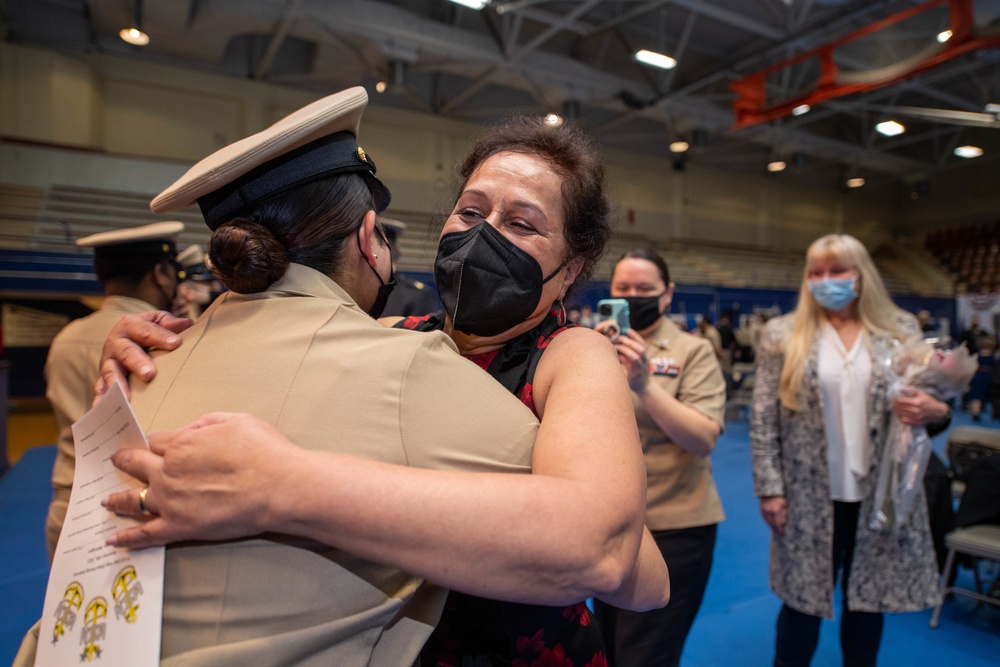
[(974, 454), (981, 541)]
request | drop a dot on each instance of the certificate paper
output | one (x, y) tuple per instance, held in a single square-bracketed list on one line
[(103, 605)]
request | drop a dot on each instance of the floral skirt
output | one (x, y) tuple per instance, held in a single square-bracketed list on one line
[(486, 633)]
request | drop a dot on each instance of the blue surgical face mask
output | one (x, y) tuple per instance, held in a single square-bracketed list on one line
[(833, 293)]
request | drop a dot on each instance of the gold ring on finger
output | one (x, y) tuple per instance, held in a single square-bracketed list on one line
[(142, 502)]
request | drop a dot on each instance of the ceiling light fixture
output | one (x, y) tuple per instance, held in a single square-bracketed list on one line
[(944, 36), (679, 146), (133, 34), (655, 59), (968, 151), (472, 4), (776, 165), (856, 182), (890, 128), (553, 119), (801, 109)]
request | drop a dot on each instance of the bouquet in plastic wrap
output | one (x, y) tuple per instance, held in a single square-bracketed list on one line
[(944, 374)]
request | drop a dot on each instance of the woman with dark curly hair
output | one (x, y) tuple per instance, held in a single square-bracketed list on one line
[(531, 218)]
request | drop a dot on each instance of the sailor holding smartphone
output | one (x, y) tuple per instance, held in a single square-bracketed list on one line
[(679, 394)]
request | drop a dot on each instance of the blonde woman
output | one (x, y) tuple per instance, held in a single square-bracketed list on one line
[(820, 416)]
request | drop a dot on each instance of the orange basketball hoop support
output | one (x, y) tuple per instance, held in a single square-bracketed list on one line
[(751, 108)]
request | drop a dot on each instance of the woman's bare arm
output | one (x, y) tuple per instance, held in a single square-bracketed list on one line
[(568, 531), (647, 586), (588, 436)]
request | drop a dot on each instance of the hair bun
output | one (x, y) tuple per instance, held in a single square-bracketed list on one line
[(246, 256)]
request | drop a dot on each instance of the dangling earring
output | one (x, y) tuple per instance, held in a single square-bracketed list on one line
[(561, 318)]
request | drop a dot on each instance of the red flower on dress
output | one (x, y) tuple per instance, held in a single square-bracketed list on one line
[(578, 610), (553, 657), (527, 398), (535, 643), (600, 660), (413, 321)]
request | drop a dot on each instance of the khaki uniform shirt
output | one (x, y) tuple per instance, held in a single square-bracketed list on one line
[(71, 371), (680, 490), (304, 357)]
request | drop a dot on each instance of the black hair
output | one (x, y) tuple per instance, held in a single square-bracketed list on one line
[(127, 270), (650, 255), (307, 225)]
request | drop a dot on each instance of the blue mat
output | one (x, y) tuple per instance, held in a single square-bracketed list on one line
[(736, 622), (25, 492)]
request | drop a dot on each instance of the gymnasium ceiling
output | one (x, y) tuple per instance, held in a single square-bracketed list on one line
[(575, 58)]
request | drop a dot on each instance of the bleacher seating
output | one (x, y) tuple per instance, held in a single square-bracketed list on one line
[(745, 266), (50, 219), (971, 254)]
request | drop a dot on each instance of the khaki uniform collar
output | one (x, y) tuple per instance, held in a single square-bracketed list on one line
[(300, 280)]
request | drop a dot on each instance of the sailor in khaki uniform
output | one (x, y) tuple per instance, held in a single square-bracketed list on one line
[(682, 502), (680, 491), (679, 395), (303, 353), (330, 378), (137, 269)]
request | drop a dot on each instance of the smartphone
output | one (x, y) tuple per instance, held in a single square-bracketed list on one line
[(615, 310)]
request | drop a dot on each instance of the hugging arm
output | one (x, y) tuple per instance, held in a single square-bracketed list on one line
[(125, 347), (588, 436), (556, 536)]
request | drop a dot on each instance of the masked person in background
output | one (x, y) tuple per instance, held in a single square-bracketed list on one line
[(409, 297), (199, 286), (820, 418), (679, 396), (531, 217)]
